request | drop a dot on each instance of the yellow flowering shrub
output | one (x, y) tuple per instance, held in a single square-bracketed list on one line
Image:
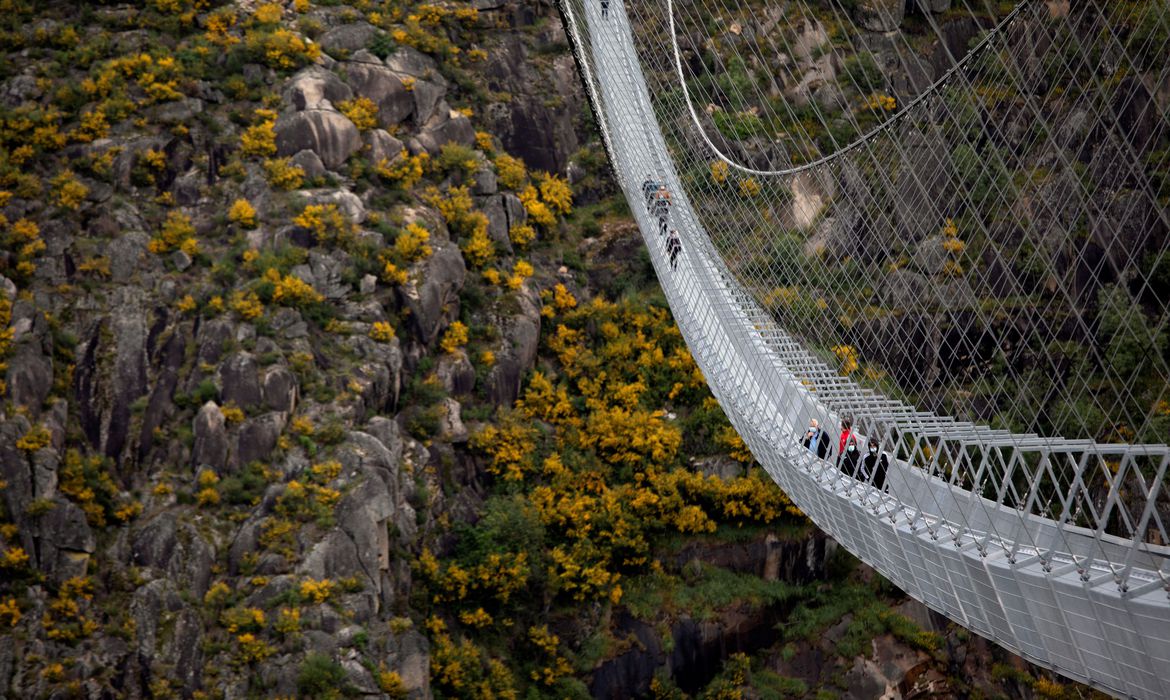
[(267, 13), (251, 650), (748, 187), (458, 210), (563, 299), (461, 669), (232, 414), (393, 274), (521, 271), (361, 111), (404, 171), (327, 224), (218, 26), (9, 613), (718, 171), (93, 125), (154, 159), (537, 210), (476, 618), (98, 265), (737, 449), (243, 214), (283, 175), (86, 481), (247, 304), (35, 438), (177, 233), (65, 619), (260, 138), (281, 48), (552, 666), (67, 191), (412, 243), (293, 291), (217, 594), (390, 682), (510, 172), (242, 619), (556, 193), (382, 332), (13, 558), (317, 591), (288, 622), (521, 235), (454, 338), (880, 102), (847, 356), (479, 248), (511, 445), (23, 237)]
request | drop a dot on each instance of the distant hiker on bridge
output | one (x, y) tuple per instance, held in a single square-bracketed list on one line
[(673, 246), (662, 208), (817, 440), (874, 466), (604, 9), (850, 458)]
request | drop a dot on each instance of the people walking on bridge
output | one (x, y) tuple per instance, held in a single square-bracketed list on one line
[(846, 433), (817, 440), (649, 189), (604, 9), (874, 466), (673, 247), (849, 459)]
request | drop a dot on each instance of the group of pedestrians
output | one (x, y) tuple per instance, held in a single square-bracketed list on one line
[(658, 202), (870, 468)]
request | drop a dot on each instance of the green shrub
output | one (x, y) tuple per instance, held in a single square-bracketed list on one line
[(320, 677), (245, 487)]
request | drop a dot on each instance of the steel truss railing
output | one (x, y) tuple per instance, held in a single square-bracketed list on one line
[(995, 530)]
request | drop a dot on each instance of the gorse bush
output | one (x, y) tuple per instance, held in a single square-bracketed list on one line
[(361, 111), (603, 474), (511, 172)]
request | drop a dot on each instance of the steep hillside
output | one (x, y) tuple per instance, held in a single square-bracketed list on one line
[(333, 367)]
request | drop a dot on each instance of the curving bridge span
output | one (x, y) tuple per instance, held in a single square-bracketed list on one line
[(806, 287)]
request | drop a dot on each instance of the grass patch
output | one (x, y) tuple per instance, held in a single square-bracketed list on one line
[(709, 590)]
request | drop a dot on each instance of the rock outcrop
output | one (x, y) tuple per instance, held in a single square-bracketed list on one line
[(327, 133)]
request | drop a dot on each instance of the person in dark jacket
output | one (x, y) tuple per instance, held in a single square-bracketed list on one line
[(604, 9), (816, 440), (673, 247), (874, 466), (649, 188), (850, 458)]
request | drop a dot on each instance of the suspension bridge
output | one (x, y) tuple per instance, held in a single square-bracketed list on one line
[(968, 264)]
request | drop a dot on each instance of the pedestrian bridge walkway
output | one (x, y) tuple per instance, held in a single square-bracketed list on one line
[(1052, 547)]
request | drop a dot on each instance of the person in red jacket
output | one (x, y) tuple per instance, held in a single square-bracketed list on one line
[(846, 433)]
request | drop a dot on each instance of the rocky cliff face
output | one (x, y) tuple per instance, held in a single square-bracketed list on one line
[(213, 366)]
